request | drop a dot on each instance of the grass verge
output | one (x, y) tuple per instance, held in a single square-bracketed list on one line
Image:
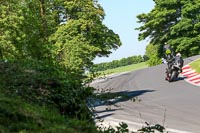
[(18, 116), (196, 65), (125, 68)]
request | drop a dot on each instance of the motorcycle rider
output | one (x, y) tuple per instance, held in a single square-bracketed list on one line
[(178, 59), (175, 60), (171, 59), (168, 56)]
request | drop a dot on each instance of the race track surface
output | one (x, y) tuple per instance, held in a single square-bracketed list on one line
[(174, 105)]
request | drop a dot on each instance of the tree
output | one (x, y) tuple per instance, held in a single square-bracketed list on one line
[(25, 29), (145, 58), (11, 35), (48, 43), (176, 22), (83, 36), (41, 19), (152, 54), (70, 31)]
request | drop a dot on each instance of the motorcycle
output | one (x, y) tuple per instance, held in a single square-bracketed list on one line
[(173, 71)]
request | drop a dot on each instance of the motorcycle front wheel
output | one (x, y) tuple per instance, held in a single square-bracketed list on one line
[(173, 75)]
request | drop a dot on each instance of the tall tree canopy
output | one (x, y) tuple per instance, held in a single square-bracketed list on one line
[(11, 35), (69, 32), (176, 22), (83, 36)]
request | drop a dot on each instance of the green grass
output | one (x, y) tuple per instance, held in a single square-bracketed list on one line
[(28, 105), (196, 65), (18, 116), (125, 68)]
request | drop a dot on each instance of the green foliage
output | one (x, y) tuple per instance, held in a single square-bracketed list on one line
[(122, 128), (11, 20), (118, 63), (175, 22), (151, 128), (22, 30), (83, 126), (83, 36), (196, 65), (54, 42), (39, 29), (123, 69), (18, 116), (37, 96), (45, 46), (45, 84), (152, 53), (73, 50)]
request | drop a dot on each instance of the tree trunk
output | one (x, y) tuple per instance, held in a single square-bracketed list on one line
[(1, 54), (44, 21)]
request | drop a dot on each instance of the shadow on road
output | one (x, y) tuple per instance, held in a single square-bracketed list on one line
[(179, 79), (111, 98)]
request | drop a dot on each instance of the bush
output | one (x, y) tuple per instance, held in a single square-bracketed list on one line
[(45, 84), (18, 116)]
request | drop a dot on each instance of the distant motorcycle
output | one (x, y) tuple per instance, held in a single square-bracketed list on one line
[(173, 70)]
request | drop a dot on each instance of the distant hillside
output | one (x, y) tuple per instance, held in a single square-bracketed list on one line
[(119, 63)]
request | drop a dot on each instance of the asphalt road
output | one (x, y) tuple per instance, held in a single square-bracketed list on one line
[(174, 105)]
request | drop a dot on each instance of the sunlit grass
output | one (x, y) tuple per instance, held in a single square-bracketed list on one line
[(196, 65), (125, 68)]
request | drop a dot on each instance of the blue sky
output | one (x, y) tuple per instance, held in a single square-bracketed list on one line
[(121, 18)]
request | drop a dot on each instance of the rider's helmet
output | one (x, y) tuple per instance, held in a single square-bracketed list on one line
[(178, 54), (168, 51)]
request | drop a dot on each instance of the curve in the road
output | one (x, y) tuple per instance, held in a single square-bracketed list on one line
[(191, 75), (175, 105)]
